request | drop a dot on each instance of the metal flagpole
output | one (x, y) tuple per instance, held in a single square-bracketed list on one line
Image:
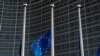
[(23, 36), (80, 30), (52, 31)]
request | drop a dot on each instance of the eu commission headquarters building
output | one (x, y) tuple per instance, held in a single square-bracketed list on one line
[(38, 21)]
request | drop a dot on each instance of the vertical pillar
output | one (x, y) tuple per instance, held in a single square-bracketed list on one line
[(80, 30), (52, 31), (23, 36)]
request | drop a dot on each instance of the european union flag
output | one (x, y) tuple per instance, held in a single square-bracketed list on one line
[(79, 46), (98, 52), (42, 44)]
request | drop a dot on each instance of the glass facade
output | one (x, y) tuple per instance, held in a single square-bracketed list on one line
[(67, 26), (39, 21), (11, 21)]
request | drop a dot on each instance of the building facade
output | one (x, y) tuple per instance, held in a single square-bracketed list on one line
[(11, 21), (39, 21)]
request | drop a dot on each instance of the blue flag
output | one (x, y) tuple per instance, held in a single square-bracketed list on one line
[(98, 52), (79, 46), (42, 44)]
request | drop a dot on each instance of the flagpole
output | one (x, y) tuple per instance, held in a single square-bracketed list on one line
[(23, 36), (52, 30), (80, 30)]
